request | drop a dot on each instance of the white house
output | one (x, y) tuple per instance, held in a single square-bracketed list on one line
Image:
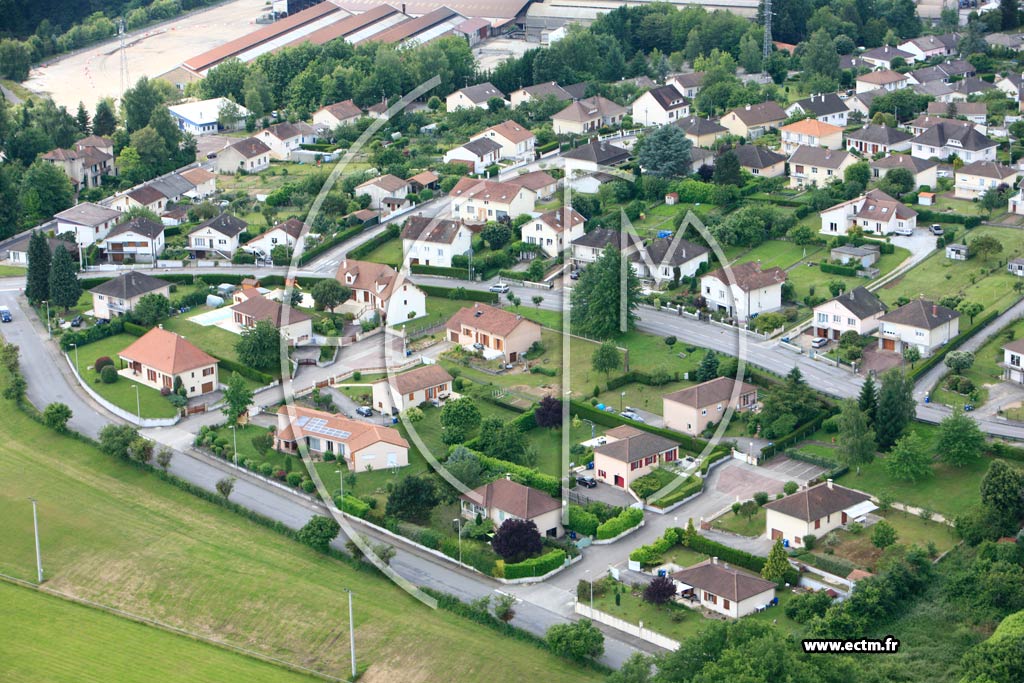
[(817, 167), (814, 511), (405, 390), (921, 324), (689, 84), (746, 290), (665, 259), (724, 589), (974, 180), (295, 326), (139, 240), (660, 106), (204, 183), (249, 155), (203, 117), (376, 288), (886, 80), (587, 248), (593, 157), (474, 96), (811, 132), (587, 115), (161, 358), (338, 114), (856, 310), (878, 139), (361, 446), (120, 294), (477, 154), (434, 241), (553, 230), (926, 47), (287, 233), (89, 222), (959, 138), (827, 108), (218, 235), (505, 499), (285, 138), (517, 142), (874, 212), (482, 201), (882, 57), (382, 188), (925, 171), (1013, 371)]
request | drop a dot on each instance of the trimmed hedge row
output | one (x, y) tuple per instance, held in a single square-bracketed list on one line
[(527, 476), (835, 269), (352, 506), (326, 245), (955, 343), (461, 293), (585, 410), (712, 458), (392, 232), (693, 485), (645, 378), (175, 278), (940, 217), (244, 370), (91, 334), (625, 520), (443, 271), (535, 566), (135, 330), (800, 432), (582, 522), (832, 565)]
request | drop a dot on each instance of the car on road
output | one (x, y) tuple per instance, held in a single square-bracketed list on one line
[(478, 346), (936, 229), (365, 411), (574, 275), (819, 342), (77, 321), (499, 288), (689, 460), (630, 415), (587, 481), (5, 314)]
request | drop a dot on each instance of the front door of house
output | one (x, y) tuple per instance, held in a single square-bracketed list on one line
[(619, 481)]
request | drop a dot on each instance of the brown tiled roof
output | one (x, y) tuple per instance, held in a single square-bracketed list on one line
[(722, 580), (756, 114), (197, 176), (424, 178), (167, 352), (487, 318), (262, 308), (922, 314), (880, 206), (817, 501), (668, 97), (292, 227), (286, 130), (558, 219), (360, 434), (517, 500), (94, 141), (343, 110), (373, 277), (510, 130), (388, 182), (423, 377), (882, 77), (146, 195), (718, 390), (438, 230), (589, 109), (485, 189), (250, 147), (534, 180), (1017, 346), (632, 444), (988, 169), (749, 276)]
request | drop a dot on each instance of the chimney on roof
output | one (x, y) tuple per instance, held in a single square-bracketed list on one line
[(748, 107), (714, 560), (828, 482), (161, 326), (508, 476), (935, 309)]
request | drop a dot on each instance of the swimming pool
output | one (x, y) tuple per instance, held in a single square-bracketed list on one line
[(217, 315)]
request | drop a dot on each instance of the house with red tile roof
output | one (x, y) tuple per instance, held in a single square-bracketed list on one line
[(517, 141), (494, 332), (377, 288), (160, 357), (360, 445), (505, 499), (400, 392), (743, 290)]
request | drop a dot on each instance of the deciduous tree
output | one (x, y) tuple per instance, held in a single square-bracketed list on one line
[(883, 535), (660, 590), (56, 416), (581, 640), (328, 294), (665, 152), (318, 532), (606, 359), (908, 460), (412, 499), (960, 440), (259, 346), (237, 398), (517, 539)]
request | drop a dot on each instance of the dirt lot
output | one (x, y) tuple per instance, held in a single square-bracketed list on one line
[(94, 73)]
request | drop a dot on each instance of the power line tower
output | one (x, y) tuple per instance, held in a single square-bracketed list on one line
[(123, 57), (766, 49)]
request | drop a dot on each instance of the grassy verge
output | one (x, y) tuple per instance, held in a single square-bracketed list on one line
[(12, 271), (744, 526)]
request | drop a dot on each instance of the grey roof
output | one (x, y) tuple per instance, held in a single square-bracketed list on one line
[(817, 156), (694, 79), (250, 147), (962, 108), (87, 213), (861, 303), (820, 105), (171, 185), (598, 152), (718, 578), (885, 53), (225, 224), (850, 62), (599, 237), (817, 502), (949, 41), (632, 444), (866, 98), (988, 169), (968, 137), (481, 92), (661, 252), (933, 88), (550, 89), (879, 134), (426, 229), (702, 156), (922, 314), (481, 147), (912, 164), (756, 156), (130, 285), (695, 125), (668, 98), (757, 114), (140, 225), (577, 90), (21, 244), (971, 85)]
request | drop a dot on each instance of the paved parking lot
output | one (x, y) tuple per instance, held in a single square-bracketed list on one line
[(604, 493), (791, 470)]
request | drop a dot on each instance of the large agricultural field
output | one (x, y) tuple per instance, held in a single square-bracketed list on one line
[(121, 537)]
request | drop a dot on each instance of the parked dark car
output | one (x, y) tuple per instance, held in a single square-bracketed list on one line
[(77, 321), (365, 411), (588, 482)]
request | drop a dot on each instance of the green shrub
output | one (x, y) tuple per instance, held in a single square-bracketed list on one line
[(582, 521), (625, 520), (536, 566), (541, 370), (266, 469), (294, 478), (102, 362), (309, 486), (109, 374)]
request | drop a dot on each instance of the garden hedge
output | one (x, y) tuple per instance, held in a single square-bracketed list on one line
[(622, 522), (582, 522), (834, 269), (352, 506), (693, 485), (461, 293), (655, 379), (527, 476), (328, 244), (585, 410), (927, 364), (135, 330), (244, 370), (940, 217), (832, 565), (712, 458), (91, 334), (442, 271), (738, 557), (535, 566)]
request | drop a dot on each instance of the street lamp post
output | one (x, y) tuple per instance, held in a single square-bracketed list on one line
[(138, 402), (35, 525), (591, 423), (234, 439), (622, 397), (341, 488), (587, 574), (351, 633), (458, 520), (77, 366), (49, 331)]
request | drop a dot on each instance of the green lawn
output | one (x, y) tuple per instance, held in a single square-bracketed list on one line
[(210, 338), (977, 280), (390, 253), (279, 173), (780, 253), (910, 530), (114, 534), (439, 309), (120, 393), (985, 370), (54, 640), (744, 526), (546, 318), (804, 277), (963, 207), (12, 271)]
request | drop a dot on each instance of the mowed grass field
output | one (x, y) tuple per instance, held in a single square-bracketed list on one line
[(122, 537), (50, 640)]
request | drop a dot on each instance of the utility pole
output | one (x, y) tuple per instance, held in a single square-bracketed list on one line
[(351, 633), (766, 48), (39, 558), (124, 57)]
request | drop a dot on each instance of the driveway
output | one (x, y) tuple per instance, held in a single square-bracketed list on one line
[(602, 493)]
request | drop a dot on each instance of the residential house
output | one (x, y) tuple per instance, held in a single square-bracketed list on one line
[(700, 157), (120, 294), (814, 511), (517, 142), (540, 182), (217, 236), (434, 241), (975, 112), (862, 257), (851, 63), (629, 453), (377, 288), (1011, 365), (249, 155), (399, 392), (874, 212), (699, 131), (883, 57), (724, 589), (482, 201), (860, 102), (974, 180), (886, 80), (958, 138), (474, 96), (204, 117), (875, 139), (660, 106), (826, 108), (492, 331), (744, 291), (588, 248), (288, 234), (593, 157), (588, 115), (946, 72), (285, 138), (90, 160), (88, 222), (924, 122), (296, 327), (925, 171), (760, 161), (957, 252), (926, 47), (477, 154), (856, 310), (554, 230), (688, 84), (338, 114), (362, 446), (940, 91), (141, 197), (754, 120), (666, 259), (138, 240), (1010, 41), (505, 499), (204, 183), (17, 251), (541, 91), (811, 132), (160, 358), (383, 188), (921, 324), (972, 85), (1016, 203), (694, 409), (424, 180), (817, 167), (1012, 84)]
